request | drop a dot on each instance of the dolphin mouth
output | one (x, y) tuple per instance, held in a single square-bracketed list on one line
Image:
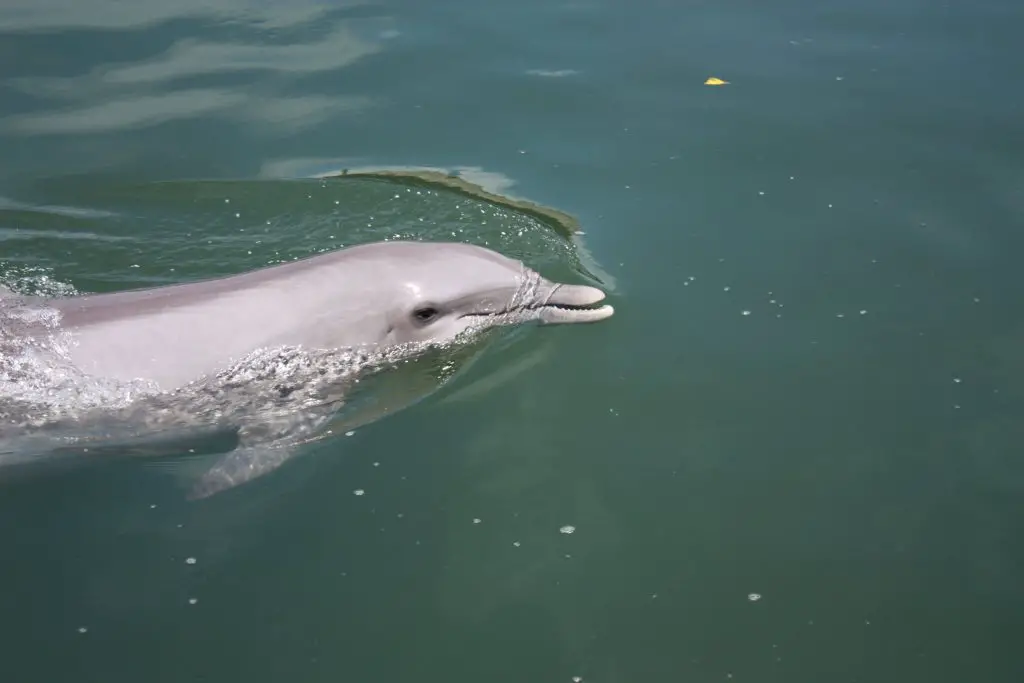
[(561, 304), (573, 304)]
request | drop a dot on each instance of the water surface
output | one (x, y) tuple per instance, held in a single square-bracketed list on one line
[(792, 455)]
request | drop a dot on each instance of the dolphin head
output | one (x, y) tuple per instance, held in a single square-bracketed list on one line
[(438, 291)]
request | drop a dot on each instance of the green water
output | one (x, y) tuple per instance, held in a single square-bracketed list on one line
[(792, 455)]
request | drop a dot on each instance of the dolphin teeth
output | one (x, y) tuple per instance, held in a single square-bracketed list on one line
[(568, 307), (574, 314)]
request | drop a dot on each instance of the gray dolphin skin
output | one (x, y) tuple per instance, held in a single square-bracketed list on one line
[(375, 296), (378, 294)]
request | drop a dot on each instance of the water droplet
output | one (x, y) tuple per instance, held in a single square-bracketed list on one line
[(476, 520), (82, 629), (192, 601), (746, 312), (567, 529), (350, 432), (516, 543), (190, 560), (359, 492), (754, 597)]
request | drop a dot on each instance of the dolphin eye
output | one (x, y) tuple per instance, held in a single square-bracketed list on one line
[(425, 314)]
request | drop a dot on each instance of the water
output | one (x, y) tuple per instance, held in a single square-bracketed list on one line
[(810, 391)]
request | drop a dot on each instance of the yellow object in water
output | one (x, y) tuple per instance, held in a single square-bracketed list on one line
[(715, 81)]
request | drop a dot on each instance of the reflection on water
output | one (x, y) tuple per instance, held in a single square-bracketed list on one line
[(23, 15), (267, 70), (119, 97)]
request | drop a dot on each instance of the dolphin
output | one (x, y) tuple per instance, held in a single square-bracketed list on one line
[(374, 298)]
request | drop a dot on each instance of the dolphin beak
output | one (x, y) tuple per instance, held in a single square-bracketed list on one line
[(573, 304)]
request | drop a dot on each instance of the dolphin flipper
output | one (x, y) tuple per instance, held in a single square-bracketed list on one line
[(262, 448), (241, 465)]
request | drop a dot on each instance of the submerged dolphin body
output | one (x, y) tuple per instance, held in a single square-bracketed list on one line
[(199, 346)]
